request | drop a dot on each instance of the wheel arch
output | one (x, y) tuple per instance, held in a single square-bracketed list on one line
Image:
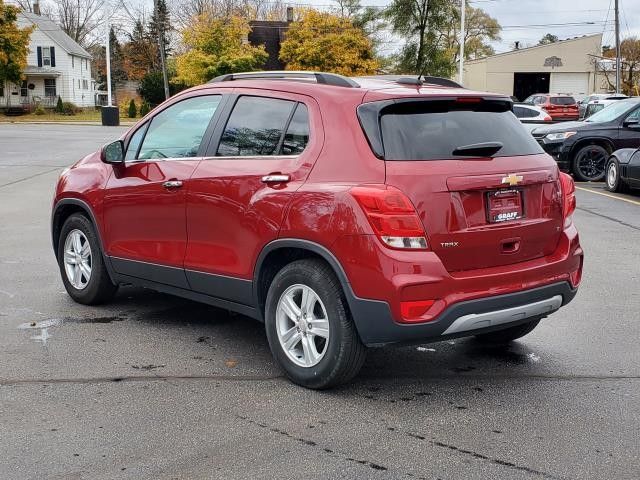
[(583, 142), (63, 210), (278, 253)]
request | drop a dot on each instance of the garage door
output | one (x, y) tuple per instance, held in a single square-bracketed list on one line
[(576, 84)]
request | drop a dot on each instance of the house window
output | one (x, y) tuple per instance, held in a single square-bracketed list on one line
[(50, 87), (46, 56), (85, 84), (1, 89), (23, 89), (73, 61)]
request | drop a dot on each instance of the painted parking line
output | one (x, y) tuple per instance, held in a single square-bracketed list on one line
[(628, 200)]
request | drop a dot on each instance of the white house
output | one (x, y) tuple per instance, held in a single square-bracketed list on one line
[(56, 66)]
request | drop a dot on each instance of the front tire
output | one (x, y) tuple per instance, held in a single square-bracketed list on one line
[(84, 274), (309, 328), (613, 181), (589, 163), (502, 337)]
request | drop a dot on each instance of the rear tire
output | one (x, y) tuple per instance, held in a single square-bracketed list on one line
[(337, 354), (501, 337), (78, 245), (589, 163), (613, 182)]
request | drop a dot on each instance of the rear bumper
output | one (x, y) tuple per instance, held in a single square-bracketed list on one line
[(377, 327), (466, 303)]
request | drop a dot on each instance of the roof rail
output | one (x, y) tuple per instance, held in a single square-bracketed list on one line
[(319, 77)]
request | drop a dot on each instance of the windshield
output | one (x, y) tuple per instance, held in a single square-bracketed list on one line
[(611, 112), (434, 130)]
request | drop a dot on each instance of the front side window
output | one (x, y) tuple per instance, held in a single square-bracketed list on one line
[(50, 87), (634, 116), (177, 131), (256, 127), (134, 143)]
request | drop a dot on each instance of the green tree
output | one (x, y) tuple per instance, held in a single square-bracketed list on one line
[(547, 39), (160, 27), (215, 46), (327, 42), (419, 23), (59, 106), (133, 111), (14, 45), (480, 29)]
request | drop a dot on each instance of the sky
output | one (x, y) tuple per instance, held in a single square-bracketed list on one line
[(527, 21)]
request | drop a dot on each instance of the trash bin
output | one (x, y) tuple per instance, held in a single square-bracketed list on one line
[(110, 116)]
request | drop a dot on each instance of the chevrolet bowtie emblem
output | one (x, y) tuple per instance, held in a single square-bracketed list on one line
[(512, 179)]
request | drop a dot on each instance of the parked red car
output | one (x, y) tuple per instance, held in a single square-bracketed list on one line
[(343, 213), (558, 106)]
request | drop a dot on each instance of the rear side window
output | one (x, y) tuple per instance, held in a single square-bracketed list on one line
[(432, 130), (260, 126), (562, 100), (524, 112)]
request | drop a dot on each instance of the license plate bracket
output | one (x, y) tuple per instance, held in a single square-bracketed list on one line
[(505, 205)]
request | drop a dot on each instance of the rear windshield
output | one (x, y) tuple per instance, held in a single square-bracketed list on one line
[(433, 130), (562, 100)]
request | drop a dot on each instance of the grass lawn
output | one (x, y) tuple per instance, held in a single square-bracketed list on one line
[(89, 115)]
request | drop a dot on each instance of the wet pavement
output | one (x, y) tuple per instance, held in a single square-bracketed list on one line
[(152, 386)]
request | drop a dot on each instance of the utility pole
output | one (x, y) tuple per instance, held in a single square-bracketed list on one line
[(108, 60), (463, 7), (617, 47), (163, 61)]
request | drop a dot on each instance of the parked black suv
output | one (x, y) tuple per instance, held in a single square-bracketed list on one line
[(584, 147)]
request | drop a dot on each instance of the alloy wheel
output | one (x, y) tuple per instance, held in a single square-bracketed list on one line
[(591, 163), (302, 325), (77, 259)]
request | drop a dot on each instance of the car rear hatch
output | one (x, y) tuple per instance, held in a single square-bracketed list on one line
[(486, 193)]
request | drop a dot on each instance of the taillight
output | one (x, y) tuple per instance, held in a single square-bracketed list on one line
[(392, 216), (547, 118), (568, 197)]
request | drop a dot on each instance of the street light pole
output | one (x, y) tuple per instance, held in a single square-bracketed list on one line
[(617, 47), (108, 61), (462, 13)]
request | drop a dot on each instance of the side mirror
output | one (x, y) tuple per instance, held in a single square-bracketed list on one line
[(632, 123), (113, 152)]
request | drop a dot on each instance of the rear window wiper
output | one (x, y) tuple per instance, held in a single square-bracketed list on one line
[(485, 149)]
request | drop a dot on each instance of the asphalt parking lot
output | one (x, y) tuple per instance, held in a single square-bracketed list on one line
[(152, 386)]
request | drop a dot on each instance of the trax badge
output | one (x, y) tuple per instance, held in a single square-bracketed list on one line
[(512, 179), (449, 244)]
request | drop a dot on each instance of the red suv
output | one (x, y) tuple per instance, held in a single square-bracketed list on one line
[(558, 106), (343, 213)]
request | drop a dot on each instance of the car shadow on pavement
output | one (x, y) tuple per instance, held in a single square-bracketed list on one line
[(221, 338)]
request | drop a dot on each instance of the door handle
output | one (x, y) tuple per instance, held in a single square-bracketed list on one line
[(276, 178), (172, 184)]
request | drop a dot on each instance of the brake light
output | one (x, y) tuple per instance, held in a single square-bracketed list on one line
[(392, 216), (469, 100), (568, 197), (547, 118)]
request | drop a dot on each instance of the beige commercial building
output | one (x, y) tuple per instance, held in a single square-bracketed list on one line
[(568, 66)]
